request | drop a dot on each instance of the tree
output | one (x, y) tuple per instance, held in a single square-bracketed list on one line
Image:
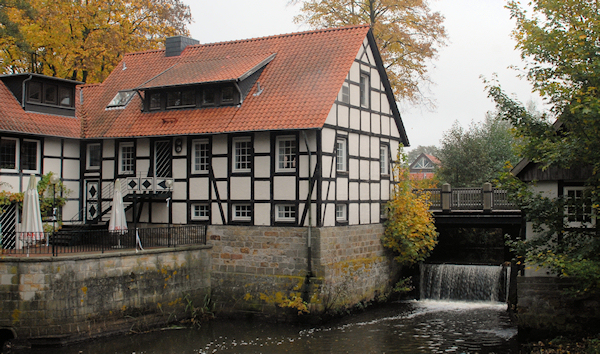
[(407, 33), (84, 40), (410, 231), (472, 157), (559, 40)]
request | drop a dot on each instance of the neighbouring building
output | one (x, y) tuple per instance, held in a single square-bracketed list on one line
[(424, 166), (282, 144)]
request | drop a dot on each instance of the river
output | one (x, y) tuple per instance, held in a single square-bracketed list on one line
[(400, 327)]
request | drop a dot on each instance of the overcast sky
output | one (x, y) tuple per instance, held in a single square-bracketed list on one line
[(479, 44)]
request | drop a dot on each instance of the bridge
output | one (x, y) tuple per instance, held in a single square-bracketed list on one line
[(459, 211)]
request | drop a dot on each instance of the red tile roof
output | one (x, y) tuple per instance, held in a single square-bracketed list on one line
[(14, 119), (300, 85)]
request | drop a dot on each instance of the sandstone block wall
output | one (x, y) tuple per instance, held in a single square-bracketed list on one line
[(257, 269), (89, 295)]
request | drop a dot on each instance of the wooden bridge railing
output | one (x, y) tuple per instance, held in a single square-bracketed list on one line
[(485, 198)]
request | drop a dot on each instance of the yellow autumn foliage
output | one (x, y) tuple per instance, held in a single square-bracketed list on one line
[(410, 230)]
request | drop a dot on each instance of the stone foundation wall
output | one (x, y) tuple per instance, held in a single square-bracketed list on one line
[(545, 311), (85, 296), (261, 269)]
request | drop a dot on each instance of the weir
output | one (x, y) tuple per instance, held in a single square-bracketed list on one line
[(464, 282)]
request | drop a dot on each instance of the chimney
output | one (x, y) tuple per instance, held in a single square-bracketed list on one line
[(175, 45)]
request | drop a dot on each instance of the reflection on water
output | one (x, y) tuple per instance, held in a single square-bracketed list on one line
[(406, 327)]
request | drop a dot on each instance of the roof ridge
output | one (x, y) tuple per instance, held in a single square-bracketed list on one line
[(291, 34)]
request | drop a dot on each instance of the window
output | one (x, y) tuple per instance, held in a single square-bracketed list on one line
[(126, 158), (154, 101), (35, 92), (578, 210), (423, 163), (384, 164), (242, 154), (341, 155), (285, 213), (29, 155), (345, 93), (174, 99), (341, 214), (65, 97), (286, 153), (121, 99), (242, 212), (8, 153), (227, 94), (94, 155), (364, 90), (188, 98), (200, 151), (208, 97), (50, 94), (200, 212)]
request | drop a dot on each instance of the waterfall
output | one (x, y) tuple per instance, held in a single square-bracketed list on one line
[(463, 282)]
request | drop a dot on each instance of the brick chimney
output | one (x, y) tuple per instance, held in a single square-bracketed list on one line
[(175, 45)]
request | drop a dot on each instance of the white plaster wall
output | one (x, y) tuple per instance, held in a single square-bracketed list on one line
[(369, 51), (364, 191), (303, 186), (364, 170), (332, 116), (313, 212), (262, 166), (375, 188), (353, 146), (160, 213), (219, 144), (375, 212), (376, 123), (375, 169), (108, 169), (365, 213), (311, 135), (262, 142), (342, 188), (108, 148), (548, 188), (385, 107), (365, 121), (303, 163), (180, 213), (375, 79), (199, 188), (240, 188), (262, 214), (284, 188), (354, 194), (142, 167), (328, 191), (52, 164), (180, 190), (355, 69), (328, 213), (52, 147), (179, 168), (219, 165), (355, 118), (262, 190), (71, 148), (354, 170), (385, 189), (353, 214), (222, 187), (343, 114), (142, 147), (364, 146), (385, 125), (328, 140), (215, 213), (328, 167)]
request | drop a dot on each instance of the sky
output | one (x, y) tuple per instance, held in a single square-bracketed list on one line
[(479, 44)]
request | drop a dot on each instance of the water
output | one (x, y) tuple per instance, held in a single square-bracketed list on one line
[(426, 326), (462, 282)]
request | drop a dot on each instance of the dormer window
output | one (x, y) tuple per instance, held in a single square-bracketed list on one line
[(209, 96), (227, 95), (35, 92), (155, 101), (50, 94), (178, 99), (65, 97), (121, 99)]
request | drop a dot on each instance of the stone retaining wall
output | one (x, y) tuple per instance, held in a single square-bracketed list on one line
[(545, 311), (259, 269), (88, 295)]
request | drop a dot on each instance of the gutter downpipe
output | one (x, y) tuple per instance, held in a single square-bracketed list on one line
[(309, 208), (23, 92)]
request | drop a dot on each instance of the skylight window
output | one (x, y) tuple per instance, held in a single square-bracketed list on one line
[(121, 99)]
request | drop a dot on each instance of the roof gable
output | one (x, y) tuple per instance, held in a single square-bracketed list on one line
[(299, 85)]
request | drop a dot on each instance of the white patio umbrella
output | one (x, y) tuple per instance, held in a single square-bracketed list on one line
[(32, 229), (117, 222)]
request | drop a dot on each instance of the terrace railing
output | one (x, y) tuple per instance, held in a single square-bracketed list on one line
[(464, 199), (102, 241)]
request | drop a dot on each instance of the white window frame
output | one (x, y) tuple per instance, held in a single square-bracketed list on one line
[(37, 156), (341, 212), (88, 157), (384, 161), (285, 213), (198, 214), (197, 166), (577, 223), (238, 209), (365, 89), (235, 154), (17, 154), (282, 153), (341, 153), (121, 160)]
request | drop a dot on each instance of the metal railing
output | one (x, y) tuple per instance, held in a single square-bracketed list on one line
[(433, 196), (486, 198), (82, 241), (467, 199)]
